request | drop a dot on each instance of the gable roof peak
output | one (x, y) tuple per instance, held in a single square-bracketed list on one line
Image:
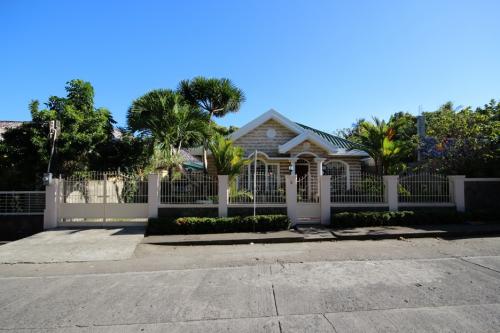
[(270, 114)]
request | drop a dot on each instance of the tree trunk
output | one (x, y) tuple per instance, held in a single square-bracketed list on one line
[(205, 148)]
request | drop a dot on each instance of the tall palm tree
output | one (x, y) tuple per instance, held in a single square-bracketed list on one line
[(216, 97), (377, 138), (171, 123)]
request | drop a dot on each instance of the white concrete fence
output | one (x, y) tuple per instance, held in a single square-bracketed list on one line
[(326, 193)]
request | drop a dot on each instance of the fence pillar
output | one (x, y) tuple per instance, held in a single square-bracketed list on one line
[(291, 197), (391, 192), (50, 214), (325, 199), (153, 194), (457, 191), (223, 194)]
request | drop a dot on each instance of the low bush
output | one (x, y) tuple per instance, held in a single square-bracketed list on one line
[(208, 225), (371, 219)]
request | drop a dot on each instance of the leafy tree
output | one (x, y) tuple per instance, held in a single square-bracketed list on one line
[(222, 130), (124, 152), (216, 97), (470, 140), (405, 134), (228, 158), (26, 149), (169, 122)]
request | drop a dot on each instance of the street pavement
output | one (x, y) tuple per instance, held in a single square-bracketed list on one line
[(417, 285)]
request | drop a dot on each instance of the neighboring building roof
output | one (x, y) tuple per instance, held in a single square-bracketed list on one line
[(7, 124), (335, 140), (190, 160)]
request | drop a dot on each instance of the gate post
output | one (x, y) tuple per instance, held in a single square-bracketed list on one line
[(391, 192), (153, 194), (325, 200), (457, 191), (50, 213), (291, 197), (223, 190)]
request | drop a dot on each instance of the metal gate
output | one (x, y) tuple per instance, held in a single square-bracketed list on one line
[(308, 200), (101, 198)]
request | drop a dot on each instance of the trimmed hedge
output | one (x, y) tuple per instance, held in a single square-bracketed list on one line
[(372, 219), (401, 218), (208, 225)]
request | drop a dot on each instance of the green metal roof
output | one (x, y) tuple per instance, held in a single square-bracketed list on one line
[(334, 140)]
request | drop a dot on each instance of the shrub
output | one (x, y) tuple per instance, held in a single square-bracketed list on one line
[(400, 218), (207, 225)]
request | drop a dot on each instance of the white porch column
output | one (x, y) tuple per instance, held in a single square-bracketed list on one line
[(319, 171), (319, 164), (457, 191), (292, 162), (291, 197), (325, 199), (223, 194), (153, 194), (50, 214), (391, 192)]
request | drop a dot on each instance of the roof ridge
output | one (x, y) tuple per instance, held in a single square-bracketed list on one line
[(334, 139)]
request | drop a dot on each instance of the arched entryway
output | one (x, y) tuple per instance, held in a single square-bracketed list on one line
[(301, 168), (308, 208)]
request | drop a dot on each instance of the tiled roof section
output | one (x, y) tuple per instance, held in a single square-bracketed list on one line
[(6, 124), (334, 140)]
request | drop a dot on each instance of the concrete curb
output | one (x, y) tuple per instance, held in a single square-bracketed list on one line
[(225, 239)]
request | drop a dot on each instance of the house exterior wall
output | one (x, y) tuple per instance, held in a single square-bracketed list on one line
[(257, 139), (212, 171), (308, 146)]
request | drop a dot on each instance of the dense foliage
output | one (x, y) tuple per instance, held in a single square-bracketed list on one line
[(168, 124), (206, 225), (160, 124), (85, 141), (464, 141), (216, 97)]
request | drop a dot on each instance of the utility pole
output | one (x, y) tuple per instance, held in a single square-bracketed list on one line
[(54, 130)]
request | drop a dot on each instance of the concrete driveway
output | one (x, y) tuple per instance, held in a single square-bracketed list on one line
[(72, 245)]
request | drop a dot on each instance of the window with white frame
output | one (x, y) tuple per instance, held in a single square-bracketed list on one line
[(335, 168), (339, 170), (267, 176)]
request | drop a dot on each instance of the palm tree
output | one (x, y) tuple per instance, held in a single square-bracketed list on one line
[(377, 140), (228, 158), (171, 124), (216, 97)]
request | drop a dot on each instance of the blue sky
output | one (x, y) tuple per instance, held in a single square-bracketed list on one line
[(323, 63)]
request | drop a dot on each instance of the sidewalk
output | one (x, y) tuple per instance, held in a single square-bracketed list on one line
[(303, 234), (443, 230), (318, 233)]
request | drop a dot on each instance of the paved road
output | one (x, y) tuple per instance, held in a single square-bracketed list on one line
[(428, 285)]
